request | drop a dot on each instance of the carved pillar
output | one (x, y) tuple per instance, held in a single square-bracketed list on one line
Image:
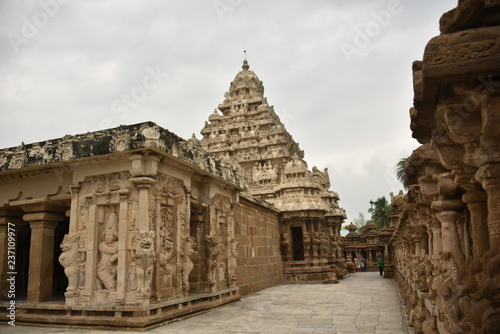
[(73, 217), (437, 245), (144, 185), (476, 203), (423, 241), (489, 176), (42, 226), (121, 269)]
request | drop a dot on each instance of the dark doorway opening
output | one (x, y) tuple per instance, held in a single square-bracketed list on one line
[(22, 261), (298, 243)]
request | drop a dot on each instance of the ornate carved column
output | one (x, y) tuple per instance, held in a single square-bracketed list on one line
[(475, 198), (489, 176), (449, 217)]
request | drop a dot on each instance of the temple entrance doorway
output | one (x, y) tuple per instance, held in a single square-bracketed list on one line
[(298, 243)]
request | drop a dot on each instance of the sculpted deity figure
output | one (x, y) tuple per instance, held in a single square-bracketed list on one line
[(144, 260), (106, 267), (188, 254), (316, 243), (69, 260), (285, 246), (212, 257), (307, 244), (233, 254)]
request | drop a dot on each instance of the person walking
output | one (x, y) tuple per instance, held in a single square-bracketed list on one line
[(381, 264), (362, 263)]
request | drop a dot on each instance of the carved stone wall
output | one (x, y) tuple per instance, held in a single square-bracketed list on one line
[(446, 244)]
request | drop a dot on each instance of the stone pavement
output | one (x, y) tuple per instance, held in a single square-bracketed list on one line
[(361, 303)]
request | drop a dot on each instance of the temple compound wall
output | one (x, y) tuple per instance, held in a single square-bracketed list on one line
[(446, 244), (128, 227)]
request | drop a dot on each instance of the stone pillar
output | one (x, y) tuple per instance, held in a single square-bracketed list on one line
[(73, 217), (437, 246), (41, 266), (144, 185), (489, 176), (121, 269), (430, 241), (449, 220)]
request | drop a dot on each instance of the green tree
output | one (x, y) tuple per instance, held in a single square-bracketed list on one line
[(360, 222), (381, 212), (400, 172)]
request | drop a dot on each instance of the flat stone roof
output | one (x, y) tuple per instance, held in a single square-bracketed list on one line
[(125, 138)]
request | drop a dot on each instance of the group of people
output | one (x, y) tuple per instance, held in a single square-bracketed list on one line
[(360, 264)]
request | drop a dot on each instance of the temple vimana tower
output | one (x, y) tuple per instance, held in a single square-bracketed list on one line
[(248, 132), (133, 226)]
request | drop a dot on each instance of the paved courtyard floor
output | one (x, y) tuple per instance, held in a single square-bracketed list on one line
[(361, 303)]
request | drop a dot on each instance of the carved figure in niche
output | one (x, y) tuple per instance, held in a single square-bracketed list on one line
[(69, 260), (233, 254), (285, 246), (307, 244), (145, 259), (166, 252), (324, 245), (188, 255), (316, 243), (132, 277), (212, 258), (106, 267), (81, 272)]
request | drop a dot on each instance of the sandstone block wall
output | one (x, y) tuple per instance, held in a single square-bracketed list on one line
[(259, 262)]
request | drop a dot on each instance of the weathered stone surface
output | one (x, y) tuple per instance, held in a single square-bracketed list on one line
[(447, 239)]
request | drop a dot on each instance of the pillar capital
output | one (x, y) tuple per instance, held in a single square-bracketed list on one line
[(489, 175), (474, 196), (43, 217), (40, 205)]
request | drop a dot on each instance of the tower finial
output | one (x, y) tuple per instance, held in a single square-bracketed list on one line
[(245, 62)]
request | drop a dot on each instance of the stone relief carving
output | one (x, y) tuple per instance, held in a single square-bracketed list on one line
[(143, 261), (213, 255), (285, 246), (188, 254), (69, 259), (108, 253), (233, 255)]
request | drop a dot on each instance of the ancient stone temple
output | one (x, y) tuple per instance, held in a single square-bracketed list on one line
[(446, 244), (128, 227), (245, 130), (132, 226), (369, 245)]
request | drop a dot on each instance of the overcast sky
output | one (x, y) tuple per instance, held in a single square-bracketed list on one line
[(338, 73)]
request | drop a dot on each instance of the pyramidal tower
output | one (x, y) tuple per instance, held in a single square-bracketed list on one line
[(245, 130)]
